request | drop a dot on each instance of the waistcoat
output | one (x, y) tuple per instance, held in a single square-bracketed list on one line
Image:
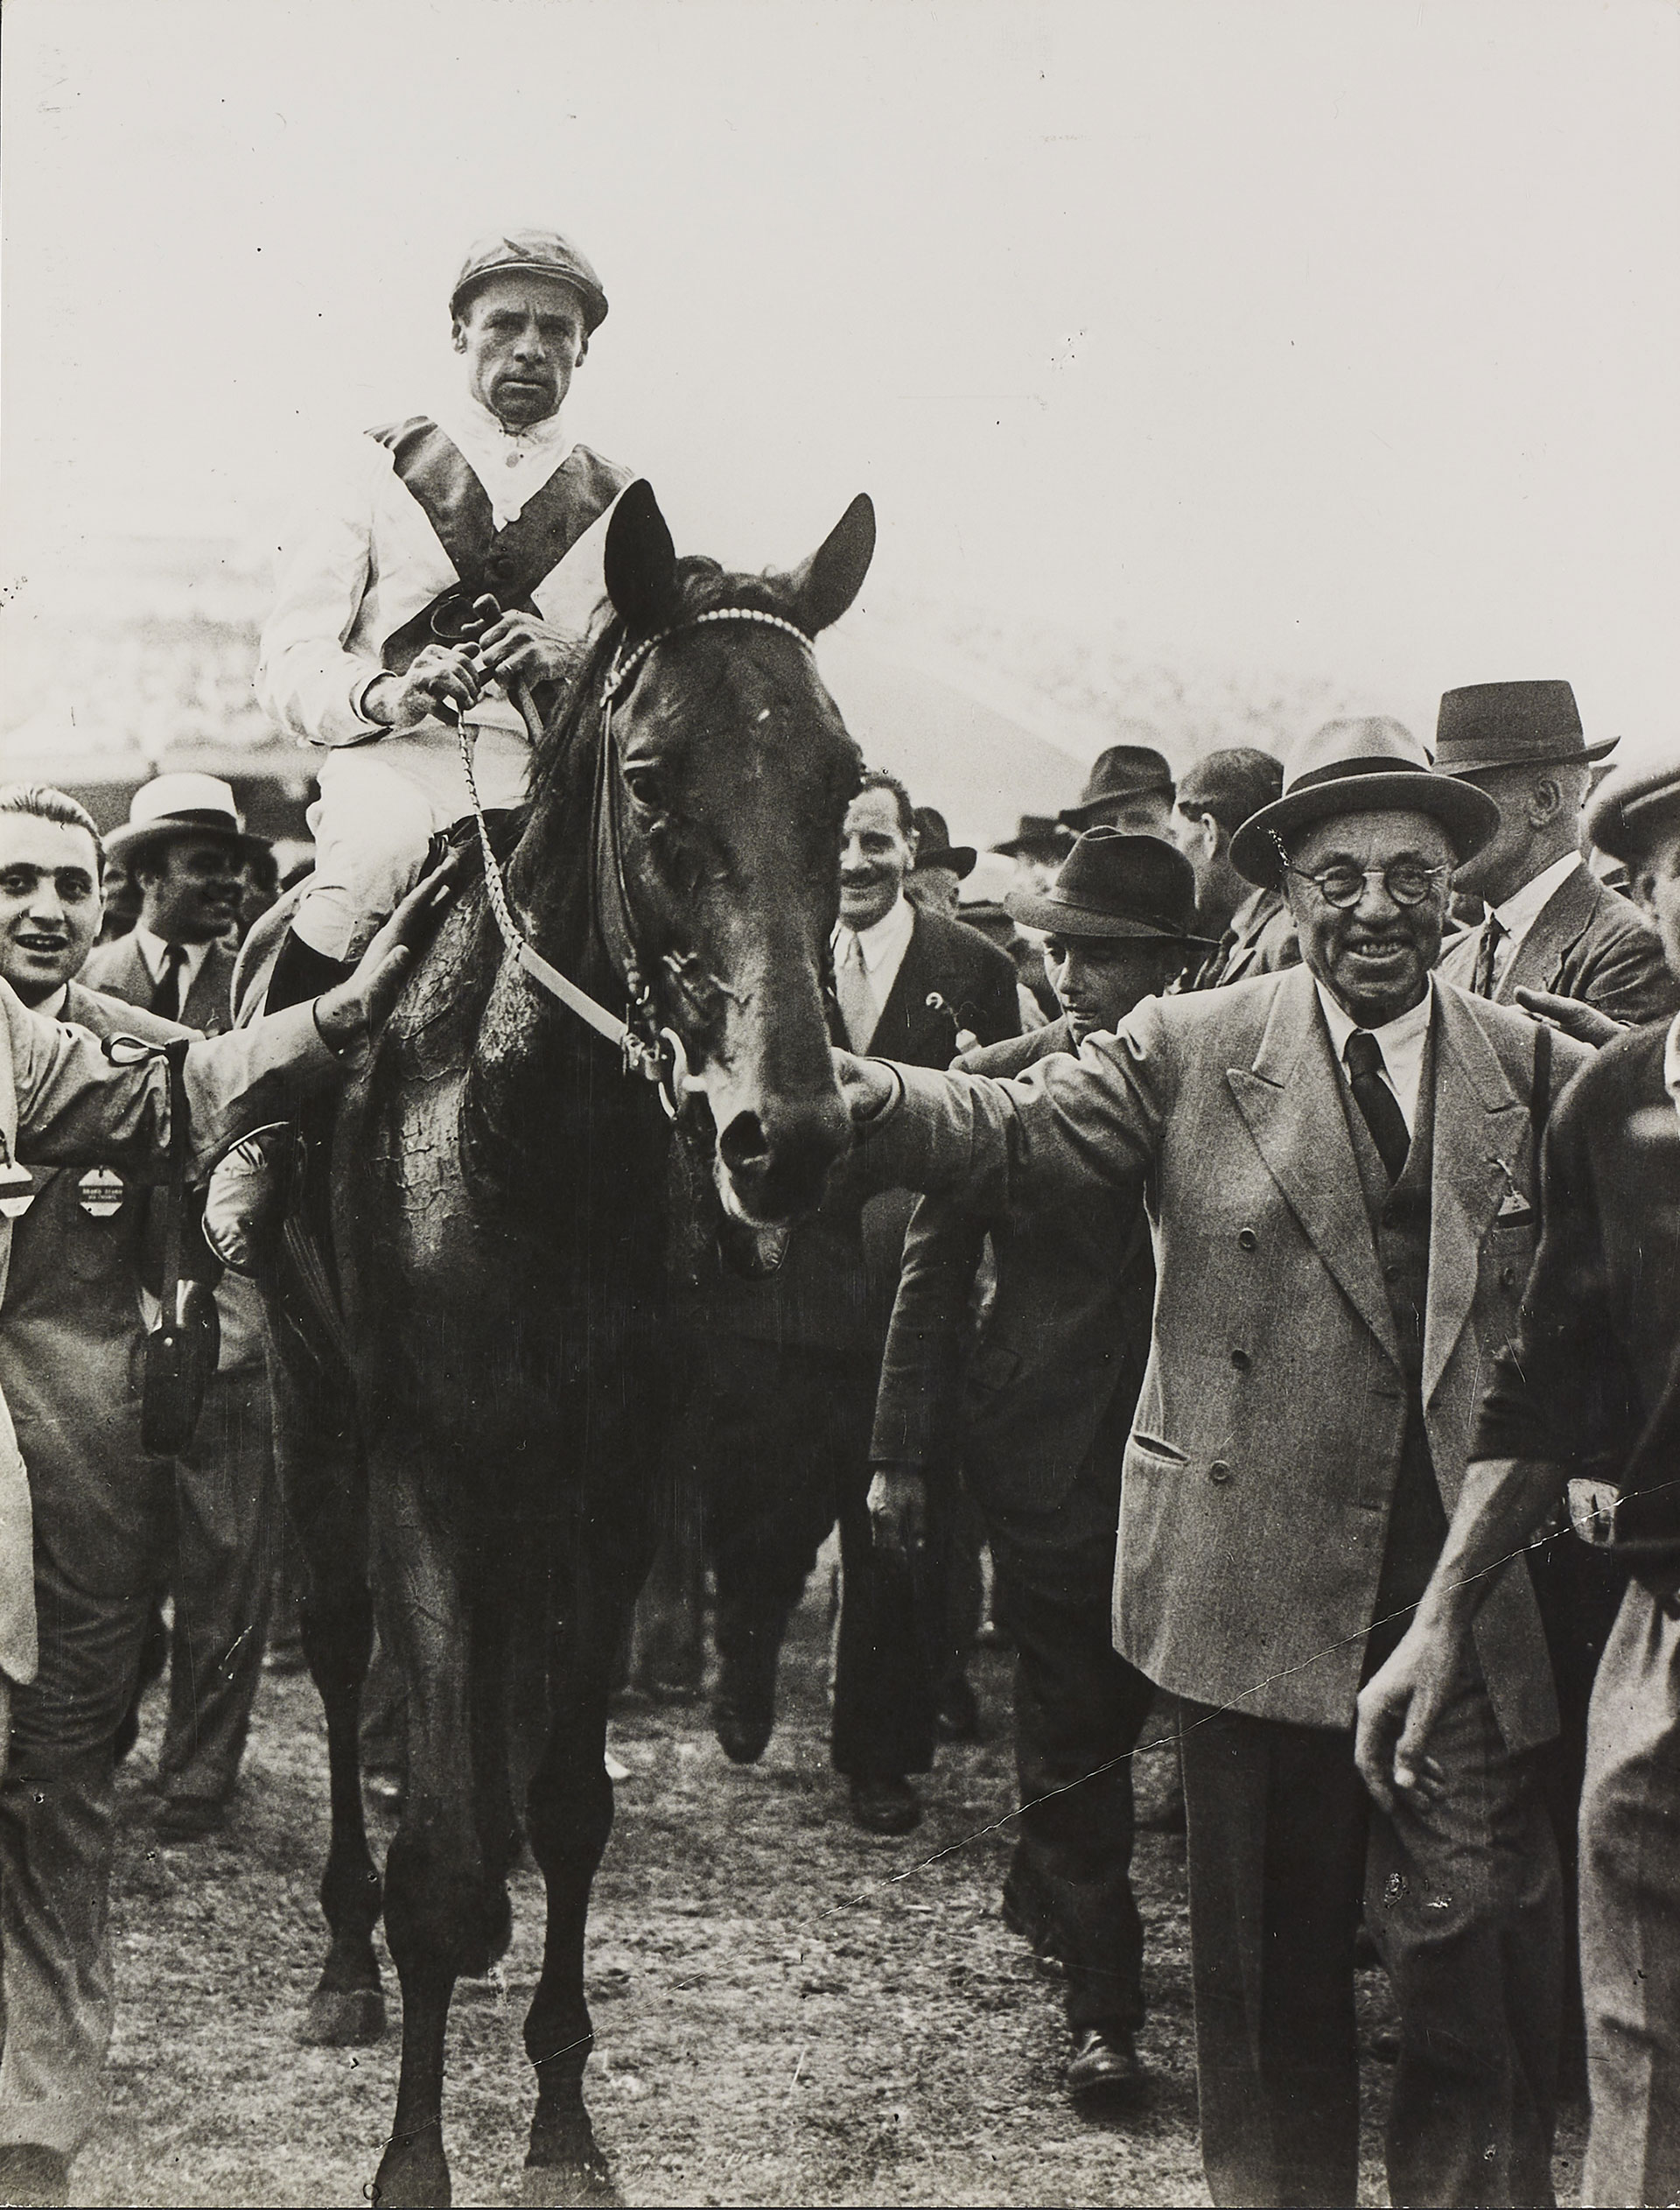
[(1400, 1221)]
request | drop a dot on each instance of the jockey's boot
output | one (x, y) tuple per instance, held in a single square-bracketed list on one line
[(251, 1188)]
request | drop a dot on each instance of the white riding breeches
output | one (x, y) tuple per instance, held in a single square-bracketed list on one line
[(379, 807)]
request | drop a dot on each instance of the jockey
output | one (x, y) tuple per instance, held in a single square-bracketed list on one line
[(488, 494)]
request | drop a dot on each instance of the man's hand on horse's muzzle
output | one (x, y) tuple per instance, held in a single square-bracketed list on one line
[(868, 1086), (354, 1009), (518, 647)]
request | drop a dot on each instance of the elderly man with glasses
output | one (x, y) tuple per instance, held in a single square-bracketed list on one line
[(1338, 1164)]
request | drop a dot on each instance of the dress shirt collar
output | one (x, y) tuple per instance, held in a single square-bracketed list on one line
[(883, 940), (154, 950), (1671, 1064), (53, 1008), (1401, 1042), (512, 465), (1524, 908)]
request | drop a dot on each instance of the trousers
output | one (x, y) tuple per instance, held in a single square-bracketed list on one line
[(1463, 1903), (219, 1555), (57, 1821), (1079, 1709), (1630, 1908), (379, 806)]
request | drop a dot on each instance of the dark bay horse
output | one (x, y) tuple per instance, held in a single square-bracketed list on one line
[(500, 1230)]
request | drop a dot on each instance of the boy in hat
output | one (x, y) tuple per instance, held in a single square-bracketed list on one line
[(1041, 1405), (491, 495), (941, 867), (1587, 1396), (1340, 1163)]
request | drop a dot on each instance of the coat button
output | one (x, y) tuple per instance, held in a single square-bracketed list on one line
[(1248, 1240), (1219, 1471), (1241, 1360), (1507, 1277), (1391, 1274)]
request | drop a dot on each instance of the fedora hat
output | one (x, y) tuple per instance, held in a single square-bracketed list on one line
[(1511, 724), (1124, 771), (180, 805), (1114, 885), (1374, 766), (1635, 807), (935, 848), (537, 253), (1040, 834)]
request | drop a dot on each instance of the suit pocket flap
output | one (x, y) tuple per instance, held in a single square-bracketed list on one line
[(1149, 1447)]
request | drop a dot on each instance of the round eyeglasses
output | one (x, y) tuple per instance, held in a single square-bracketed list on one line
[(1407, 881)]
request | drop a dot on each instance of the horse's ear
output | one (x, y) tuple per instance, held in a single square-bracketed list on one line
[(831, 579), (641, 561)]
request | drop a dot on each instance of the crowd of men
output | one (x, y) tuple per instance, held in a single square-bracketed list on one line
[(1185, 1262)]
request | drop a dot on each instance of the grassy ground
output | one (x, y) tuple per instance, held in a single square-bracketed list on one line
[(786, 2011)]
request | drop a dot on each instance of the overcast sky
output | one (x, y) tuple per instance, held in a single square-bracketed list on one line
[(1300, 333)]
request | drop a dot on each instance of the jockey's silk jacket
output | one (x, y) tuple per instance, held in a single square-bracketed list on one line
[(415, 511)]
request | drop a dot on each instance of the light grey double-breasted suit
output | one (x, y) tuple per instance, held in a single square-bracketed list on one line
[(1268, 1437)]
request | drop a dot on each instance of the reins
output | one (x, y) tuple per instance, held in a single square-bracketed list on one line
[(649, 1050)]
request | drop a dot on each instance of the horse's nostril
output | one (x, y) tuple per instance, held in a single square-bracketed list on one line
[(743, 1146)]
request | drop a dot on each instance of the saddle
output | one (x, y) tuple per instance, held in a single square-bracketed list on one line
[(268, 1209)]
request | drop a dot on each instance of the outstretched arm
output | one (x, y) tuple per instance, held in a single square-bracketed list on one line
[(75, 1107), (1061, 1126)]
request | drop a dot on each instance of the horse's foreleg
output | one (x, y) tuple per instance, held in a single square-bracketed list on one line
[(327, 1497), (569, 1817), (445, 1915), (348, 2004)]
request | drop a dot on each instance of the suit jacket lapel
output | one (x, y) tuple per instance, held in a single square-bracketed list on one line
[(1480, 1126), (1557, 928), (1291, 1099)]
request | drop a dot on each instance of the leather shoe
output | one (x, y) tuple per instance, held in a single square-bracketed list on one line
[(1104, 2066), (32, 2176), (744, 1708), (885, 1803)]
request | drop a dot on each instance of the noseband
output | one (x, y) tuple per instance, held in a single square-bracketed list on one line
[(649, 1050)]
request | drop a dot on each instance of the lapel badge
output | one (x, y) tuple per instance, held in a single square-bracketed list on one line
[(16, 1185), (99, 1193), (1515, 1211)]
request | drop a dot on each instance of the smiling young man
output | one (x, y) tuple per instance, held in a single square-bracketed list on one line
[(490, 492), (1339, 1165), (84, 1510)]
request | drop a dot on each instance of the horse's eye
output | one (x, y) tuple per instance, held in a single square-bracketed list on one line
[(643, 786)]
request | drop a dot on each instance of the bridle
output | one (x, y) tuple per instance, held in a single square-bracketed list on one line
[(649, 1048)]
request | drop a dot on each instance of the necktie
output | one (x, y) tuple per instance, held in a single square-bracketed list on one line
[(858, 1006), (1376, 1101), (166, 997), (1492, 934)]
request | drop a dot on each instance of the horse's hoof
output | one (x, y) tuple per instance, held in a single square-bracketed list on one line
[(342, 2018), (411, 2177), (582, 2182)]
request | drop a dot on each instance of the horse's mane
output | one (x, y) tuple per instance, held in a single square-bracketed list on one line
[(702, 586)]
